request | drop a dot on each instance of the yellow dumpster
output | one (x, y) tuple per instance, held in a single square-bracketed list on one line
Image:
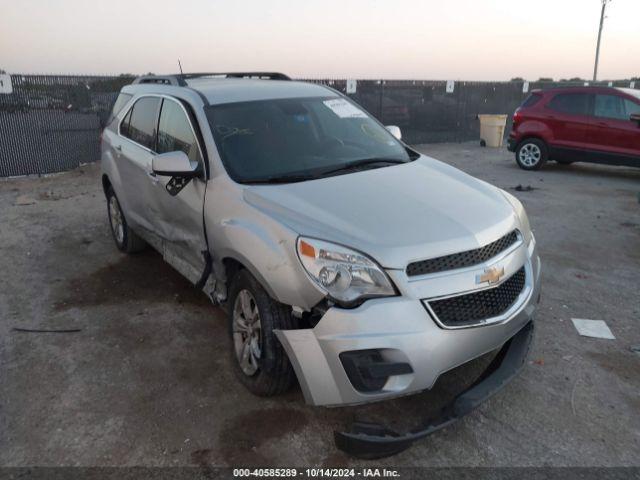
[(492, 129)]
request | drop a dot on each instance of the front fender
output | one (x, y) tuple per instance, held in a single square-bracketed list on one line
[(268, 251)]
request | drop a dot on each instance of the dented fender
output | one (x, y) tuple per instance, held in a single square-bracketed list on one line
[(264, 247)]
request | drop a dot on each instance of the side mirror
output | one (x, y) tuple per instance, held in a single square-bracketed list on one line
[(395, 131), (635, 117), (174, 164)]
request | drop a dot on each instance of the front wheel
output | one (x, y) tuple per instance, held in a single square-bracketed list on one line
[(531, 154), (258, 359)]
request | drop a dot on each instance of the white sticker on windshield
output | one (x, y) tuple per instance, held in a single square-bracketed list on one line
[(344, 109)]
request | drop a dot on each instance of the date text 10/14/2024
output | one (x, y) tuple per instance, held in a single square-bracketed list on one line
[(316, 473)]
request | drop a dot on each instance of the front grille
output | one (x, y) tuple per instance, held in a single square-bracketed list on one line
[(472, 308), (462, 259)]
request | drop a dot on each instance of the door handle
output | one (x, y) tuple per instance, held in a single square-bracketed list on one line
[(118, 148)]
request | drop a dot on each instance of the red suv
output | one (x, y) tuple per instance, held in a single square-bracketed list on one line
[(577, 124)]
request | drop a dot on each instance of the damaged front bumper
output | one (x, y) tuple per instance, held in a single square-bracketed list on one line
[(391, 347), (401, 345), (375, 441)]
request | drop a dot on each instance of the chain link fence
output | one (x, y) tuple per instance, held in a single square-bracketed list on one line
[(52, 123)]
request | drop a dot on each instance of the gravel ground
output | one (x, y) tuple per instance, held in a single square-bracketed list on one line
[(147, 379)]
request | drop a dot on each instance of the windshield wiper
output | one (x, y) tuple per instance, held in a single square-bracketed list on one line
[(280, 179), (358, 164)]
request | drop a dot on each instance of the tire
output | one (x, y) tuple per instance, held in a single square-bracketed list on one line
[(126, 239), (265, 371), (531, 154)]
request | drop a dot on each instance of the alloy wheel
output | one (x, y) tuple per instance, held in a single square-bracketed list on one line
[(530, 155), (247, 332), (117, 220)]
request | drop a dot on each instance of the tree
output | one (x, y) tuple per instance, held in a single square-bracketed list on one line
[(517, 79), (545, 79)]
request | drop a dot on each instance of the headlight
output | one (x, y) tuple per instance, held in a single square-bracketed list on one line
[(345, 275), (525, 228)]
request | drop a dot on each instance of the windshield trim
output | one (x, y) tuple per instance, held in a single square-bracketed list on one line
[(210, 111)]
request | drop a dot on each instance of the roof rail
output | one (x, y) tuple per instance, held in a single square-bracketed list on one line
[(162, 79), (260, 75), (180, 79)]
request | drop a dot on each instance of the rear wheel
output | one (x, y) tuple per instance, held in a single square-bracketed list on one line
[(258, 359), (531, 154), (126, 239)]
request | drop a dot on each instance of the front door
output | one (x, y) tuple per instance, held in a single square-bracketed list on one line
[(611, 128), (178, 220)]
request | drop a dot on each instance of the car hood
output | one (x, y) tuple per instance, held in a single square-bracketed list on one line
[(396, 214)]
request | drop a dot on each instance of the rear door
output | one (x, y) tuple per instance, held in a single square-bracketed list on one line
[(611, 129), (568, 116), (133, 153), (178, 220)]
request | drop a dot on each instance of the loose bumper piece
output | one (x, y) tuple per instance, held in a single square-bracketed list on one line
[(370, 441)]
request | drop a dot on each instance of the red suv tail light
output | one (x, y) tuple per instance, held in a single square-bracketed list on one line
[(517, 116)]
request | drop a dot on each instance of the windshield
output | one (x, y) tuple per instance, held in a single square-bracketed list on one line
[(299, 138)]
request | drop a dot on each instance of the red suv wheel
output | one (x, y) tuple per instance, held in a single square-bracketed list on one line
[(531, 154)]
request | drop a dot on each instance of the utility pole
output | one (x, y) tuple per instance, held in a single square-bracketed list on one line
[(595, 67)]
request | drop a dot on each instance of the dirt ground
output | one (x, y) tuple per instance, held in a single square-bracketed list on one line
[(147, 380)]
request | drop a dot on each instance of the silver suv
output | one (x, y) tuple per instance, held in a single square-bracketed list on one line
[(345, 258)]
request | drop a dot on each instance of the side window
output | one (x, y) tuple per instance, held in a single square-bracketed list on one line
[(120, 102), (175, 132), (610, 106), (124, 125), (571, 103), (531, 100), (142, 126), (631, 108)]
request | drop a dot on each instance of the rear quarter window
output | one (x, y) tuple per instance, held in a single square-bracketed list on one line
[(531, 100), (119, 104)]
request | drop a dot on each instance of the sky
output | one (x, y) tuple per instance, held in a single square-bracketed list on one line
[(403, 39)]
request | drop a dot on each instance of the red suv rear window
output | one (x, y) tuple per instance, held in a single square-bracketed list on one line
[(531, 100)]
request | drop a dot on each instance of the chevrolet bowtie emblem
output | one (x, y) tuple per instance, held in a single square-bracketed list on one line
[(491, 275)]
